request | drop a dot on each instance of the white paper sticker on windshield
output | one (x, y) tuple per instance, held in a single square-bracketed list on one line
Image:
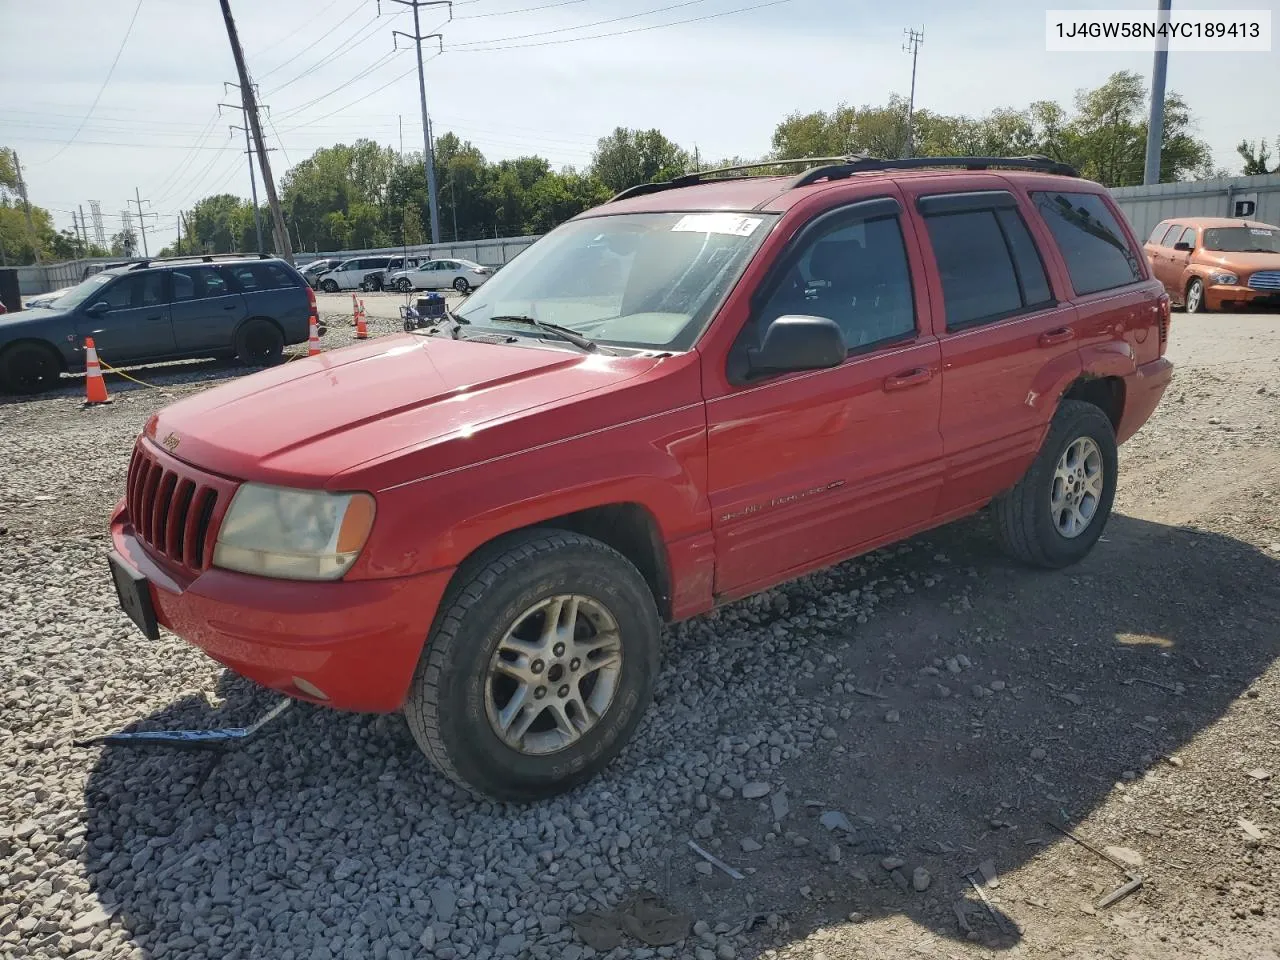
[(732, 224), (1260, 233)]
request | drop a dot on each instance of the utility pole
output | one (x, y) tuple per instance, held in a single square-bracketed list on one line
[(1155, 121), (142, 219), (912, 46), (284, 247), (429, 156), (26, 207), (248, 149), (84, 228)]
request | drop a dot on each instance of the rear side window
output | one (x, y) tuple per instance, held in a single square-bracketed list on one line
[(1171, 235), (259, 276), (989, 266), (198, 283), (1158, 233), (1092, 243), (1188, 237)]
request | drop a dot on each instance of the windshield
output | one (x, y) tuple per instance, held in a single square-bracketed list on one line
[(83, 291), (648, 280), (1242, 239)]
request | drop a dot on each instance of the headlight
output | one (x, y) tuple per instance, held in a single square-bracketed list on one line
[(1227, 278), (293, 534)]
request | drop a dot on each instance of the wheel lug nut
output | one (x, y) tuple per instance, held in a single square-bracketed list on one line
[(538, 666), (575, 663), (539, 693), (563, 691), (558, 650)]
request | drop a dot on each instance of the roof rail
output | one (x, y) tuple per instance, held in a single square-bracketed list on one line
[(701, 176), (837, 168), (200, 258), (862, 164)]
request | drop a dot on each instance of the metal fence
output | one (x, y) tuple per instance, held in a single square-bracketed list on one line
[(1254, 198), (490, 253)]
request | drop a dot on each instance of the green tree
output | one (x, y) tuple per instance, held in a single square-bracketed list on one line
[(628, 157), (1256, 157)]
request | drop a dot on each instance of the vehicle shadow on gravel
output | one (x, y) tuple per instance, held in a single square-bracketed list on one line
[(330, 834)]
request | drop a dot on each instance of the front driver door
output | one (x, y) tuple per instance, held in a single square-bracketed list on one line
[(807, 468), (129, 319)]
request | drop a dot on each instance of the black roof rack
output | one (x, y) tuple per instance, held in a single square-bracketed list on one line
[(837, 168), (200, 258)]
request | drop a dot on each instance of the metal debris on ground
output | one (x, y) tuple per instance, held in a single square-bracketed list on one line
[(225, 738), (1133, 880), (644, 916), (715, 861)]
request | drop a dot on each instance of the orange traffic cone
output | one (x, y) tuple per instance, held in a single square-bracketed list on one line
[(95, 388), (362, 330), (313, 337), (355, 309)]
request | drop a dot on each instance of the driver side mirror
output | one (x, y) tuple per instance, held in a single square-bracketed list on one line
[(1183, 246), (798, 343), (98, 308)]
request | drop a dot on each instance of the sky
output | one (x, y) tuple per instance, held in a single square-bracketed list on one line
[(523, 76)]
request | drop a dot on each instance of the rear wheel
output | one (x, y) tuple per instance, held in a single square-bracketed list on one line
[(461, 285), (1057, 511), (259, 343), (329, 286), (1195, 297), (541, 662), (29, 368), (405, 285)]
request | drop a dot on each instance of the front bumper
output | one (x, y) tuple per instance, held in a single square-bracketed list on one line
[(356, 641), (1219, 295), (1142, 392)]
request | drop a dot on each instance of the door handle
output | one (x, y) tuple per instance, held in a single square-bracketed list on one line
[(156, 317), (229, 307), (1055, 337), (912, 378)]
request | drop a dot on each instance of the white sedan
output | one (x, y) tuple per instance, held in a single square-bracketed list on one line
[(461, 275)]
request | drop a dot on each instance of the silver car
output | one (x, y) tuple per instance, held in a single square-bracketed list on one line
[(461, 275)]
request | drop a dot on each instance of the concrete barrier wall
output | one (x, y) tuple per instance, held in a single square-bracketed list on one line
[(1253, 198)]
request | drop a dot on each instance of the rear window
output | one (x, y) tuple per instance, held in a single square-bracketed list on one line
[(1097, 255)]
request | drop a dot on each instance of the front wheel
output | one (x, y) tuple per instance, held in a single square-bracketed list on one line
[(405, 285), (1195, 297), (1057, 511), (29, 368), (461, 285), (539, 666)]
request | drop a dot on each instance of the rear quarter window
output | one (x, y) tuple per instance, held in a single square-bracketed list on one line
[(1092, 242)]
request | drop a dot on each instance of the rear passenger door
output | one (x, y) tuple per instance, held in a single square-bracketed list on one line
[(270, 290), (206, 310), (1004, 338)]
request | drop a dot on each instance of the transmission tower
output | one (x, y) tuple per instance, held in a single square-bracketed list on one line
[(99, 232)]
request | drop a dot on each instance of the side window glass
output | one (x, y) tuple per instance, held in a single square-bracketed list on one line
[(184, 287), (152, 289), (1171, 235), (245, 277), (855, 275), (119, 295), (1032, 279), (1092, 243), (1188, 236), (979, 283), (211, 283), (1158, 233)]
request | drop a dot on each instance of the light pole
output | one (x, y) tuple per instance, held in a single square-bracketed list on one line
[(1155, 121)]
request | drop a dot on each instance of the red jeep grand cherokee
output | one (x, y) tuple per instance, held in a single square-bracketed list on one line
[(693, 392)]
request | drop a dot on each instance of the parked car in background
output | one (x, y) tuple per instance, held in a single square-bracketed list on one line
[(461, 275), (314, 270), (352, 274), (44, 299), (779, 374), (176, 308), (1207, 263)]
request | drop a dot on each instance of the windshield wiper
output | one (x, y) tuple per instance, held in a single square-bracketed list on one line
[(564, 333)]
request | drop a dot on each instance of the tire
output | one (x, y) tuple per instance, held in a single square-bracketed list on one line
[(329, 286), (259, 343), (460, 284), (405, 285), (1027, 524), (29, 368), (456, 700), (1195, 297)]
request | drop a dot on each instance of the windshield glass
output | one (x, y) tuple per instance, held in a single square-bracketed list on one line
[(83, 291), (648, 280), (1242, 239)]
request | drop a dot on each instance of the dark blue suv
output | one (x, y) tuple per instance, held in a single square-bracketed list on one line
[(178, 308)]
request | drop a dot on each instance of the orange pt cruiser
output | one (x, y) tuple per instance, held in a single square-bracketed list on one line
[(1207, 263)]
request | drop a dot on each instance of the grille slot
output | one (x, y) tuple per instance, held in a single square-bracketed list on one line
[(173, 510), (1265, 280)]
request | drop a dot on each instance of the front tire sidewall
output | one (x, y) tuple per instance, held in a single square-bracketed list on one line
[(20, 363), (461, 285), (1059, 550), (1197, 304), (478, 758), (329, 286), (406, 286)]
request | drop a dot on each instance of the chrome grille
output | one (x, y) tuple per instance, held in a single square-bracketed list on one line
[(1265, 280), (173, 508)]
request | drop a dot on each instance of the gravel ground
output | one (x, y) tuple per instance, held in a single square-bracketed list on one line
[(856, 743)]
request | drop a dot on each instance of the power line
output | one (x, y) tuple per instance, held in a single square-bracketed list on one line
[(316, 17), (102, 89), (512, 13), (345, 46), (345, 85), (622, 33), (581, 26)]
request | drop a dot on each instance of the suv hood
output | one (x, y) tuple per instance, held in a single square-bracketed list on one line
[(314, 418), (1245, 262)]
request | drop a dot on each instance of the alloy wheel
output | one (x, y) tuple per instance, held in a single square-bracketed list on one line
[(1077, 487)]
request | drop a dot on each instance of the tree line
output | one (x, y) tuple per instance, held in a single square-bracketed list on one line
[(363, 195)]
